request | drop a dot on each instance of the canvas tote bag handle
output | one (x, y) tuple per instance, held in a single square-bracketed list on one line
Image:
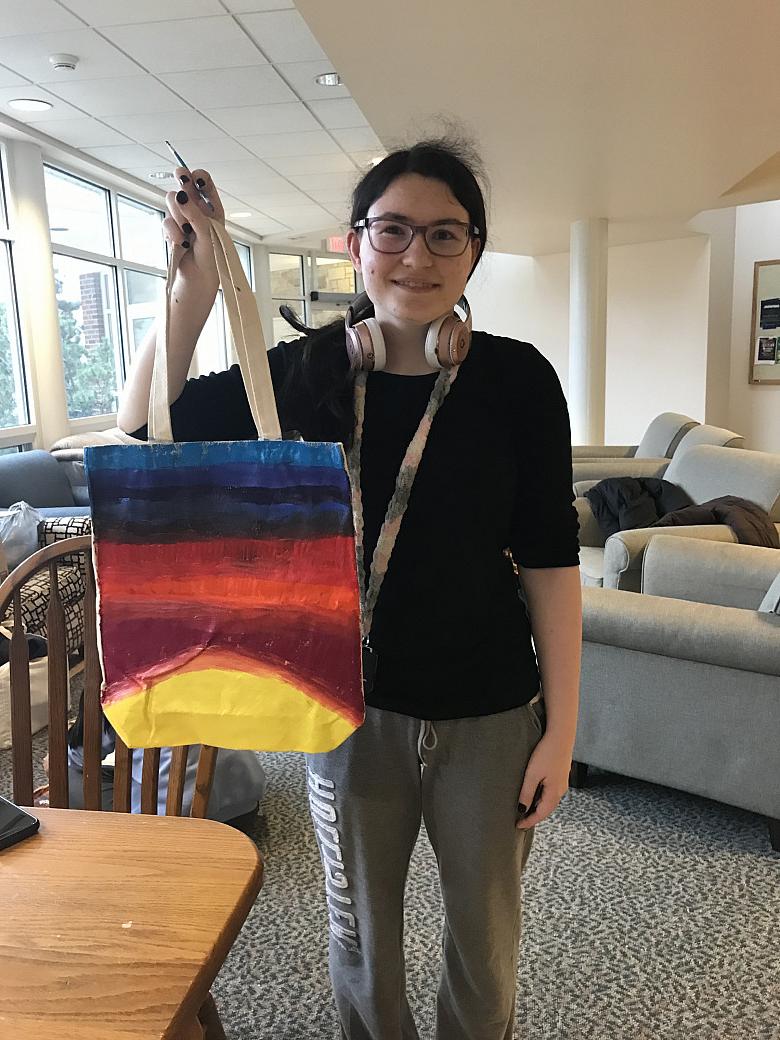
[(247, 331)]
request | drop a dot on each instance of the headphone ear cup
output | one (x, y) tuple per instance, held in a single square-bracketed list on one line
[(447, 342), (366, 346), (432, 343)]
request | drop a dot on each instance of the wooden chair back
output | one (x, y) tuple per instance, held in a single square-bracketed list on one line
[(51, 558)]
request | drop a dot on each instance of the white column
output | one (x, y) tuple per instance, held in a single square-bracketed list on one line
[(37, 297), (588, 330)]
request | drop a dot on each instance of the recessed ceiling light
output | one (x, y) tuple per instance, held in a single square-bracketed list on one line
[(240, 215), (328, 79), (160, 175), (30, 105)]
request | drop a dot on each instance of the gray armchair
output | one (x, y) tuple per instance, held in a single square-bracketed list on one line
[(681, 685), (586, 472), (645, 459), (704, 472)]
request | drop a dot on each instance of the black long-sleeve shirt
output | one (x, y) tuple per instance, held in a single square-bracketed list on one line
[(452, 635)]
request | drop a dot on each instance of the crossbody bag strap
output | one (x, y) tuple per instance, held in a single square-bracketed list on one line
[(246, 329)]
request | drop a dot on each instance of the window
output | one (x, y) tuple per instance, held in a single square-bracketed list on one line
[(13, 394), (286, 272), (79, 213), (140, 231), (89, 332)]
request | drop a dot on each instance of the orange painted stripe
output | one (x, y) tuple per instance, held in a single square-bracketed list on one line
[(230, 590)]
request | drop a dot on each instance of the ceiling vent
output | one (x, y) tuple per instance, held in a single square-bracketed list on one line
[(63, 61)]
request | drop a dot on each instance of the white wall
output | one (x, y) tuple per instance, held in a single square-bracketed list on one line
[(656, 323), (753, 410)]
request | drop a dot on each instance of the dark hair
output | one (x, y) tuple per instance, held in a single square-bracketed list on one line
[(322, 361)]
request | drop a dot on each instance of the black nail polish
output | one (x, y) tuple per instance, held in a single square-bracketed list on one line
[(185, 244), (521, 809), (182, 197), (200, 182), (184, 179), (187, 229)]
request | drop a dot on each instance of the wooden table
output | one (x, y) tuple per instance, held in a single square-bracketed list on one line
[(114, 925)]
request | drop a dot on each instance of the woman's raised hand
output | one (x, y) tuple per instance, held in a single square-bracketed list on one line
[(187, 225)]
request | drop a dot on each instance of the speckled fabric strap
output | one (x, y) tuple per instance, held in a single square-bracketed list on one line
[(400, 498)]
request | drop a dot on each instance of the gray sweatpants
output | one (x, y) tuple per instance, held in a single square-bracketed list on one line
[(367, 797)]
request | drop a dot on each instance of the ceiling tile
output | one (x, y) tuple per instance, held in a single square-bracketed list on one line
[(21, 17), (120, 12), (363, 159), (301, 74), (244, 6), (202, 153), (313, 164), (61, 110), (98, 59), (240, 169), (338, 114), (259, 119), (186, 125), (127, 156), (325, 181), (358, 139), (252, 184), (84, 132), (283, 36), (124, 96), (310, 142), (263, 226), (192, 43), (10, 79), (290, 214), (287, 198), (330, 198), (229, 88)]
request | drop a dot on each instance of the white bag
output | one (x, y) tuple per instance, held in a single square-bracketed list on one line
[(19, 532), (39, 699)]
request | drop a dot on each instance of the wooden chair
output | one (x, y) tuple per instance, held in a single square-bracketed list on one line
[(51, 557)]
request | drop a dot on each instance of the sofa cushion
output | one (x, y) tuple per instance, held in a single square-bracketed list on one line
[(770, 604), (708, 472), (35, 477)]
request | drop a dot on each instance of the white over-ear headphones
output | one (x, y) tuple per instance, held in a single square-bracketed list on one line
[(447, 341)]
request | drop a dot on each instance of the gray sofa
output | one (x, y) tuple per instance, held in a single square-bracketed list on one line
[(681, 685), (37, 478), (704, 472)]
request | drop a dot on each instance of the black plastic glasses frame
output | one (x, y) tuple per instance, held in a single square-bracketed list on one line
[(368, 222)]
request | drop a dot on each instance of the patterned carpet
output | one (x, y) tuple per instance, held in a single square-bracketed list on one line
[(649, 915)]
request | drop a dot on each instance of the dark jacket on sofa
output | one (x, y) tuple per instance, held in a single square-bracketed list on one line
[(749, 522), (623, 503)]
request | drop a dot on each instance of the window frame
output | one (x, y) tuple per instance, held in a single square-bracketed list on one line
[(21, 436)]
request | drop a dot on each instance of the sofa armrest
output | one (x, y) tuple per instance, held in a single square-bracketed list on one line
[(601, 469), (623, 551), (725, 636), (709, 572), (603, 451), (590, 532)]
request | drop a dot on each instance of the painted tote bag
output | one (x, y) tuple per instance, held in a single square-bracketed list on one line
[(228, 604)]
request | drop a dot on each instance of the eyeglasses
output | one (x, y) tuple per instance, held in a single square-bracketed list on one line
[(447, 238)]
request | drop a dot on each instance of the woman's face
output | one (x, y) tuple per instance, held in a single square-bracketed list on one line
[(414, 287)]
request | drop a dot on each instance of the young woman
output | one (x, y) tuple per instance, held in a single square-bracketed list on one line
[(456, 732)]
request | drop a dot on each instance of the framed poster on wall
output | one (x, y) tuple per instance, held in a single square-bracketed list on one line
[(765, 324)]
